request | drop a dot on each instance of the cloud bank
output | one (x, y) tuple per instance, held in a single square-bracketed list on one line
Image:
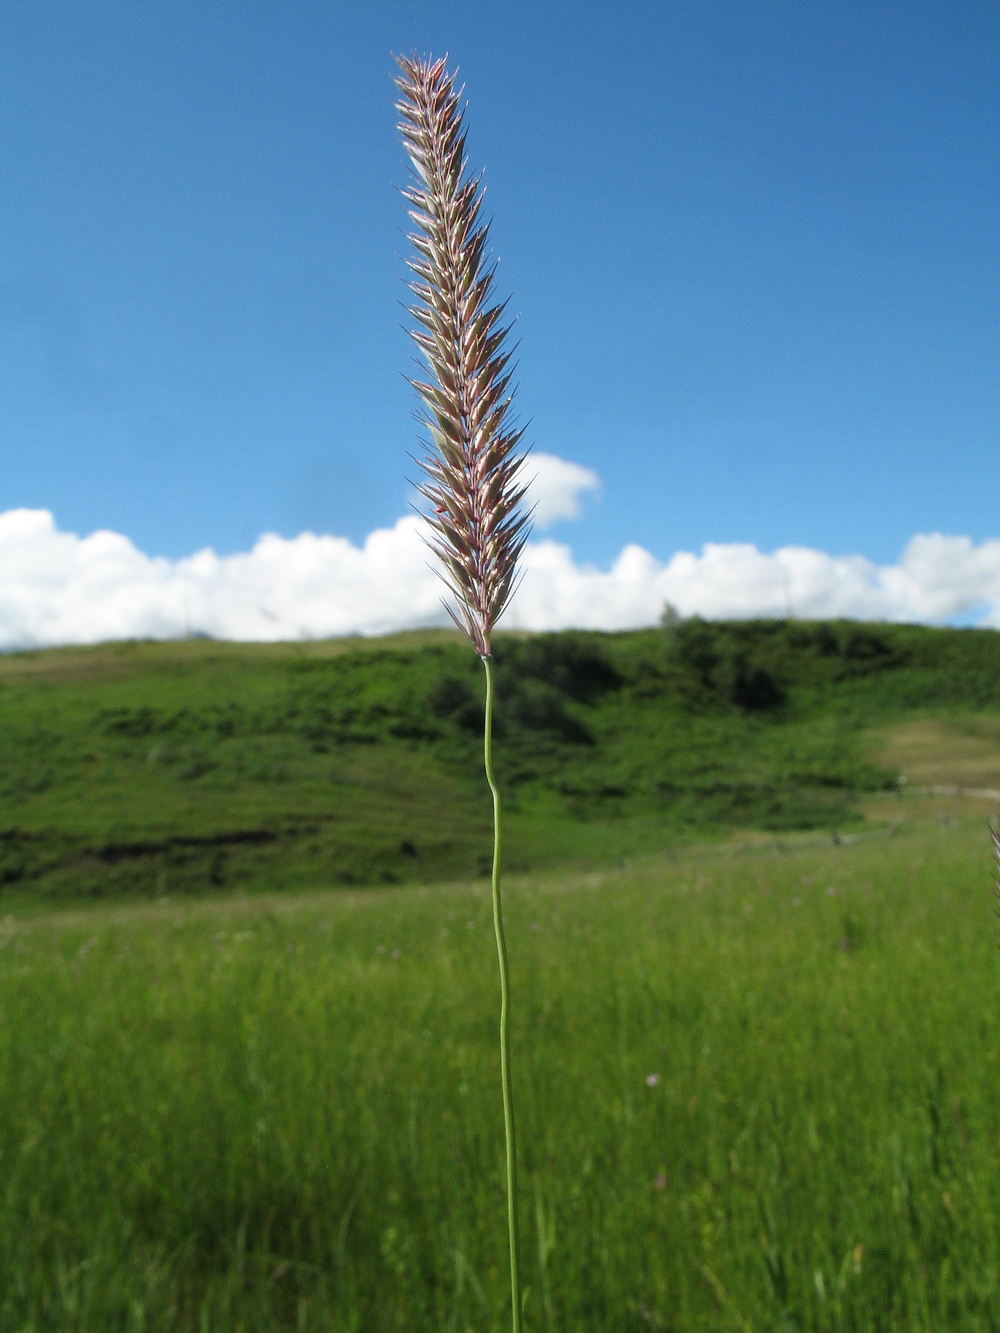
[(58, 588), (557, 487)]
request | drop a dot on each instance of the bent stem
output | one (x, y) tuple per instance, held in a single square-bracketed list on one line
[(508, 1104)]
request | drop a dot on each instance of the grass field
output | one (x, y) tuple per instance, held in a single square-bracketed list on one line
[(757, 1091)]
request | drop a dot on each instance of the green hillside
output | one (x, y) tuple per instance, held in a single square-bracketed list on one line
[(192, 766)]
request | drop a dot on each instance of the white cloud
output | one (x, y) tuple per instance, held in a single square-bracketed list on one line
[(943, 576), (557, 487), (57, 588), (938, 579)]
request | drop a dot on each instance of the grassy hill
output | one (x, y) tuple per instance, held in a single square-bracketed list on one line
[(197, 765)]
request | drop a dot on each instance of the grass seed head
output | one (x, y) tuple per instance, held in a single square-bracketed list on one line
[(472, 465)]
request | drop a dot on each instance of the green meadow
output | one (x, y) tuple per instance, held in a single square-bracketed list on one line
[(756, 1091), (248, 1067)]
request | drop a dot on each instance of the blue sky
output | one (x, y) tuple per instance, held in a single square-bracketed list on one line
[(752, 247)]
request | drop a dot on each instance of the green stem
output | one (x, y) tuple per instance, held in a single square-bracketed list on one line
[(508, 1104)]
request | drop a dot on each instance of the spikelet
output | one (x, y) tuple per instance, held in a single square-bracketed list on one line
[(472, 467)]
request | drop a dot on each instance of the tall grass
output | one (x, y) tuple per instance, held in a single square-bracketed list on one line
[(762, 1095), (472, 471)]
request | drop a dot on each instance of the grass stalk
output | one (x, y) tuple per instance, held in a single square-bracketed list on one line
[(510, 1140), (472, 464)]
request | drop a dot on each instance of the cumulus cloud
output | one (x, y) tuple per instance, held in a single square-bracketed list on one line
[(57, 588), (941, 577), (557, 487)]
